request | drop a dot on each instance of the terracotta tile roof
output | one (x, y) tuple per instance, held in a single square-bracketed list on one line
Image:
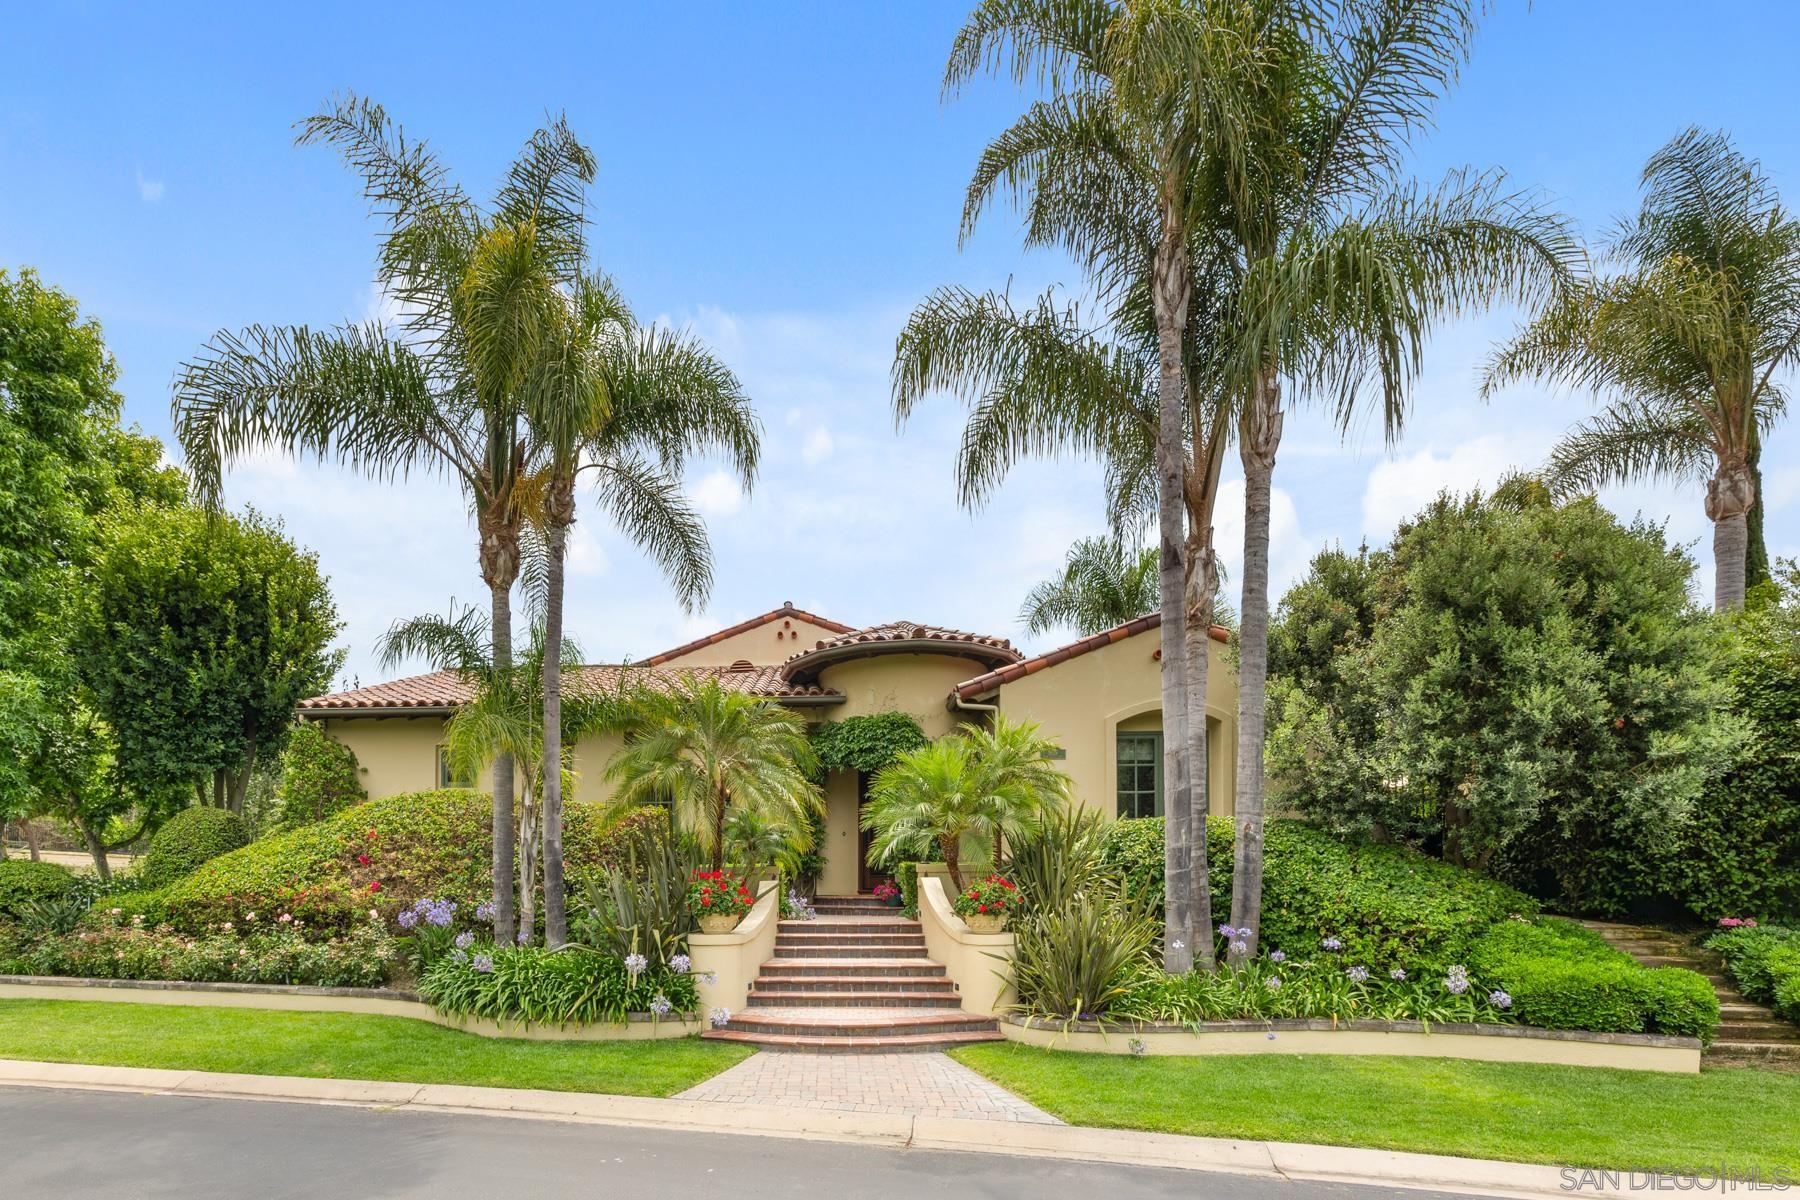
[(982, 684), (786, 611), (900, 635), (443, 690)]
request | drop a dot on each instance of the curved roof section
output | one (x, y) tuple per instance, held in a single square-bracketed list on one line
[(441, 691), (787, 611), (899, 637), (981, 685)]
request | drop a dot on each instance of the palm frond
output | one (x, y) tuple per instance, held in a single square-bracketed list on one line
[(650, 508), (1630, 441)]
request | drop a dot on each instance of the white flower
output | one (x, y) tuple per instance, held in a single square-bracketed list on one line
[(719, 1017), (1178, 944)]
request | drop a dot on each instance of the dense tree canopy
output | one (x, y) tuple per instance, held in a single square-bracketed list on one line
[(1516, 684)]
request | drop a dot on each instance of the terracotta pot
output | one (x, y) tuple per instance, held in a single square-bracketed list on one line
[(720, 922), (985, 922)]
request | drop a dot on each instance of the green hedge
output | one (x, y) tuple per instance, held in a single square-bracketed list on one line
[(1765, 962), (23, 882), (319, 776), (906, 878), (383, 854), (190, 838), (1561, 975), (1388, 905)]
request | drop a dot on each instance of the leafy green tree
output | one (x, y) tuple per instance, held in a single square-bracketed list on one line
[(704, 751), (623, 406), (1688, 338), (319, 776), (1103, 584), (197, 636), (981, 784), (1517, 685), (442, 391)]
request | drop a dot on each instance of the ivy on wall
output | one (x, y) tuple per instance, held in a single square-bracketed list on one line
[(866, 744)]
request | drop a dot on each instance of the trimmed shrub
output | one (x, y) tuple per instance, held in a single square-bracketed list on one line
[(1765, 962), (1561, 975), (318, 777), (1390, 906), (190, 838), (906, 878), (382, 854), (23, 883)]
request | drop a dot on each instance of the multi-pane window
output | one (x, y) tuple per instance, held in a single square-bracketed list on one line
[(446, 775), (1140, 774)]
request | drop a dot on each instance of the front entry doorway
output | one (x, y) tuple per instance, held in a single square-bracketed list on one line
[(867, 877)]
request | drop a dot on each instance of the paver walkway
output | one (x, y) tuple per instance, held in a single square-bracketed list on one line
[(925, 1085)]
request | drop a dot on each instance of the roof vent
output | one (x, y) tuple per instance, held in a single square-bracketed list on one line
[(743, 664)]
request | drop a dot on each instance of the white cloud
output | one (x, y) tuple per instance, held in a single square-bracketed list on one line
[(149, 190), (717, 495), (818, 446), (587, 557), (1290, 550), (1399, 488)]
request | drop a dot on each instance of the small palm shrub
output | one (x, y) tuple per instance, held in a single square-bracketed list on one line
[(23, 883), (190, 838)]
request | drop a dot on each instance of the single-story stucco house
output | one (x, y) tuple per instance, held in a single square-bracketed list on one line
[(1099, 698)]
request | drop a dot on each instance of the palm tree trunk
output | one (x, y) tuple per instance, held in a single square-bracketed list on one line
[(1203, 582), (951, 846), (1257, 444), (1169, 286), (528, 861), (499, 568), (1730, 494), (556, 926)]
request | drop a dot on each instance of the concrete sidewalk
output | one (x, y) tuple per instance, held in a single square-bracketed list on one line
[(1279, 1160)]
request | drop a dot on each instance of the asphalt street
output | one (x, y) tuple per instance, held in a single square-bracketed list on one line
[(61, 1144)]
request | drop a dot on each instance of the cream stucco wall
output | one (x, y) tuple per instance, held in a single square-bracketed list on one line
[(1083, 702), (774, 642), (399, 754), (908, 683)]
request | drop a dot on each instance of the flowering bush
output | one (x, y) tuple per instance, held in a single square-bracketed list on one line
[(886, 891), (994, 896), (718, 894), (795, 907), (267, 949), (572, 986), (1270, 988)]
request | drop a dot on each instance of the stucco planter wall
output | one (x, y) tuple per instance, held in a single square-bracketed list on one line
[(733, 960), (381, 1002), (979, 963), (1487, 1043)]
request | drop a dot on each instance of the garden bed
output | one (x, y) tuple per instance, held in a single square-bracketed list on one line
[(387, 1002), (1412, 1039)]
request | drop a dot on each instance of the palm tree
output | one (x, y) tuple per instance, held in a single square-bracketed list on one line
[(1688, 337), (503, 720), (439, 391), (983, 784), (758, 842), (704, 750), (1343, 269), (623, 405), (1102, 584)]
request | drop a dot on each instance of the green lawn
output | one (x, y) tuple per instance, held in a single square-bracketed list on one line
[(345, 1046), (1577, 1116)]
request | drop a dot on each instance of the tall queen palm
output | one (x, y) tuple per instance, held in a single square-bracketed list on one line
[(437, 392), (622, 406), (1688, 337)]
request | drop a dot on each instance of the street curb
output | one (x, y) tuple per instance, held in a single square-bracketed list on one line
[(1279, 1160)]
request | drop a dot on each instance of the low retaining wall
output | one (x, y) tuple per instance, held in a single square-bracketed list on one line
[(1486, 1043), (978, 962), (368, 1001), (733, 960)]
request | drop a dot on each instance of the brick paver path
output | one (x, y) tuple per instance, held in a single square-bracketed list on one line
[(926, 1085)]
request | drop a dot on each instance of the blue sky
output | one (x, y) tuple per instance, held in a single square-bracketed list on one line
[(785, 179)]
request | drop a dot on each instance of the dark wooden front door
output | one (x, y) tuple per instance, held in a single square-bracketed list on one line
[(866, 876)]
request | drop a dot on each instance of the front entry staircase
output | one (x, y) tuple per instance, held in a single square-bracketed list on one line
[(855, 980)]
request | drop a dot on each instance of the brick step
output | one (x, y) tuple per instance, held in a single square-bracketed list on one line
[(769, 998), (812, 931), (1758, 1031), (857, 925), (814, 1021), (919, 984), (796, 967), (831, 943), (1744, 1011), (915, 954), (852, 1045), (1757, 1052)]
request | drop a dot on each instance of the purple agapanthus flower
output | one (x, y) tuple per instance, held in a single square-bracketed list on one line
[(1227, 932), (1331, 943), (1398, 974), (680, 964), (439, 912), (635, 963), (483, 963), (1499, 999), (464, 940), (708, 977), (1277, 956), (524, 935), (1240, 947), (659, 1004), (1457, 981), (407, 918), (484, 911), (1357, 974), (719, 1017), (1273, 983)]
